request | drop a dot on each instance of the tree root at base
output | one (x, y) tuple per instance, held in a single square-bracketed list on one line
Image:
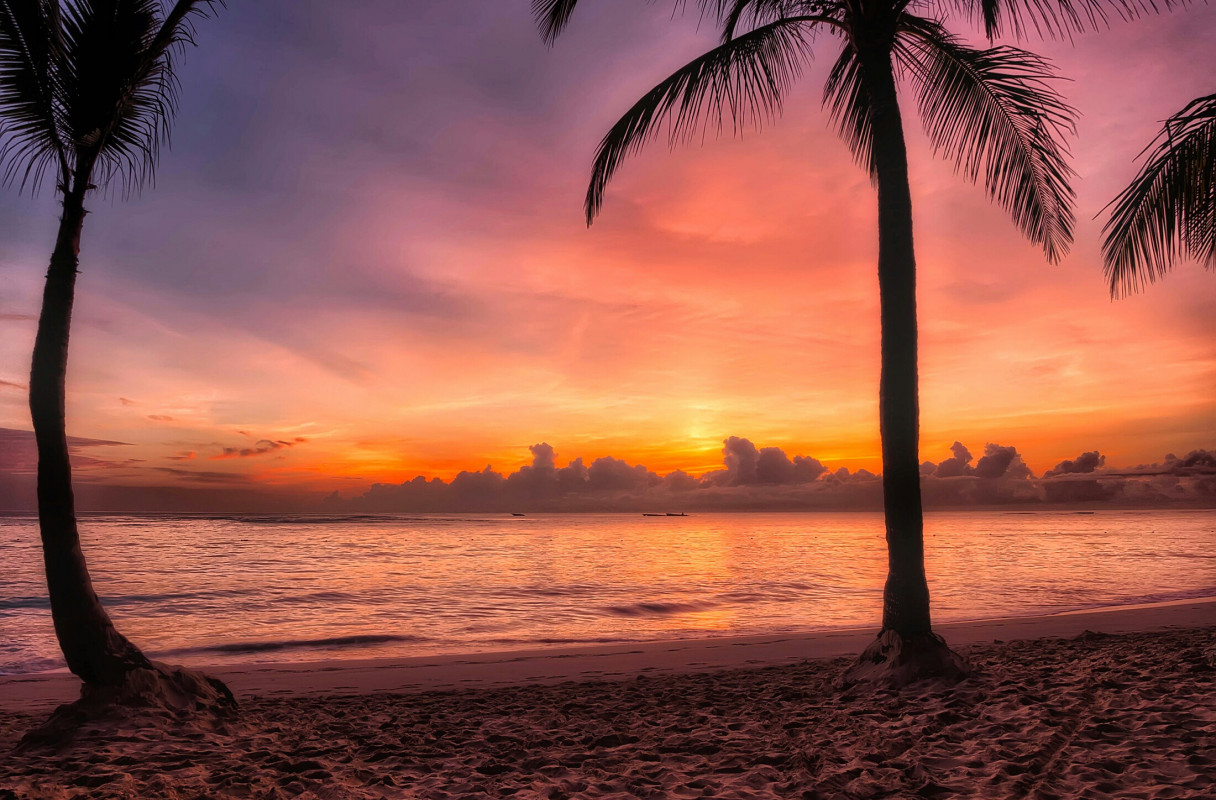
[(162, 696), (893, 661)]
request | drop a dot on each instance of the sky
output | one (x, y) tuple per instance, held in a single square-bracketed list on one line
[(364, 259)]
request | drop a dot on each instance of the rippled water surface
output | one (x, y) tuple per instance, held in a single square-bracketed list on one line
[(213, 590)]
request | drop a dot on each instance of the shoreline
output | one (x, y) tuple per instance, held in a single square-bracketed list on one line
[(35, 693)]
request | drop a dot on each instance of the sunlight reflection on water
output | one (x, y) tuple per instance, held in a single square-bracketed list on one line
[(238, 589)]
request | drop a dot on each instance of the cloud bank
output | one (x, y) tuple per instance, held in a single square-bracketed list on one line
[(766, 478), (751, 478)]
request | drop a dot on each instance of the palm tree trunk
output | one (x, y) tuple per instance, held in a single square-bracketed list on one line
[(94, 649), (906, 594)]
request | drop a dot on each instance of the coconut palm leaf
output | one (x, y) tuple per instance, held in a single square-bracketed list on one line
[(31, 136), (735, 15), (1169, 209), (552, 16), (1053, 19), (120, 85), (994, 113), (745, 79), (849, 104)]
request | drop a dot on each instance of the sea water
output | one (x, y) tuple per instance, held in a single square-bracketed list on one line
[(199, 589)]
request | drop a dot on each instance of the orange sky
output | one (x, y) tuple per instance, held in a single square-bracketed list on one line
[(404, 284)]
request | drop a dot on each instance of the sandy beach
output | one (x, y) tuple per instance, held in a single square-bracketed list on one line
[(1109, 703)]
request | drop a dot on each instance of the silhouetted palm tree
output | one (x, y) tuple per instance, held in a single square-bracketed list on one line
[(1169, 210), (87, 92), (991, 111)]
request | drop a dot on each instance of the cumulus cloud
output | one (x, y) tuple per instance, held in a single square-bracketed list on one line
[(999, 478), (751, 478), (748, 465), (1001, 462), (1082, 464), (1195, 463), (957, 464), (767, 478)]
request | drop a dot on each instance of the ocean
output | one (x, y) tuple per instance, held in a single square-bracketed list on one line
[(207, 589)]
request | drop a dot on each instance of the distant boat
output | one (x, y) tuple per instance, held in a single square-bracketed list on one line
[(681, 514), (517, 514), (653, 515)]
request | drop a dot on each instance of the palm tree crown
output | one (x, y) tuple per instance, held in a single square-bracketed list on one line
[(1169, 209), (88, 88), (991, 111)]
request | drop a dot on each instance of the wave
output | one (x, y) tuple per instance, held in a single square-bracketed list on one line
[(293, 644), (310, 519), (10, 603), (1180, 595), (43, 602), (658, 609), (14, 668), (559, 640), (331, 519)]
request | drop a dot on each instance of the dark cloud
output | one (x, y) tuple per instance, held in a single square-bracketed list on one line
[(958, 464), (747, 465), (19, 451), (680, 481), (1082, 464), (202, 476), (997, 463), (1196, 462), (160, 418), (1001, 462), (262, 447), (612, 474), (752, 478)]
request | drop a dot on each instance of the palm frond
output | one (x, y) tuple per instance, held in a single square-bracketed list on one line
[(1054, 19), (1169, 209), (31, 136), (849, 105), (551, 17), (745, 79), (994, 113), (738, 15), (120, 87)]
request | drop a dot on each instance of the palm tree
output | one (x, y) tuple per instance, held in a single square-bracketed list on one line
[(991, 111), (87, 91), (1169, 210)]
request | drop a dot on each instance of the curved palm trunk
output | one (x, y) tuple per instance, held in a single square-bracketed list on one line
[(906, 594), (94, 649)]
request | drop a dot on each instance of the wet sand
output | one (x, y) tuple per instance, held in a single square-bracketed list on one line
[(1054, 710)]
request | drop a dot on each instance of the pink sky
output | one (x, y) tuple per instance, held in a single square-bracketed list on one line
[(374, 254)]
